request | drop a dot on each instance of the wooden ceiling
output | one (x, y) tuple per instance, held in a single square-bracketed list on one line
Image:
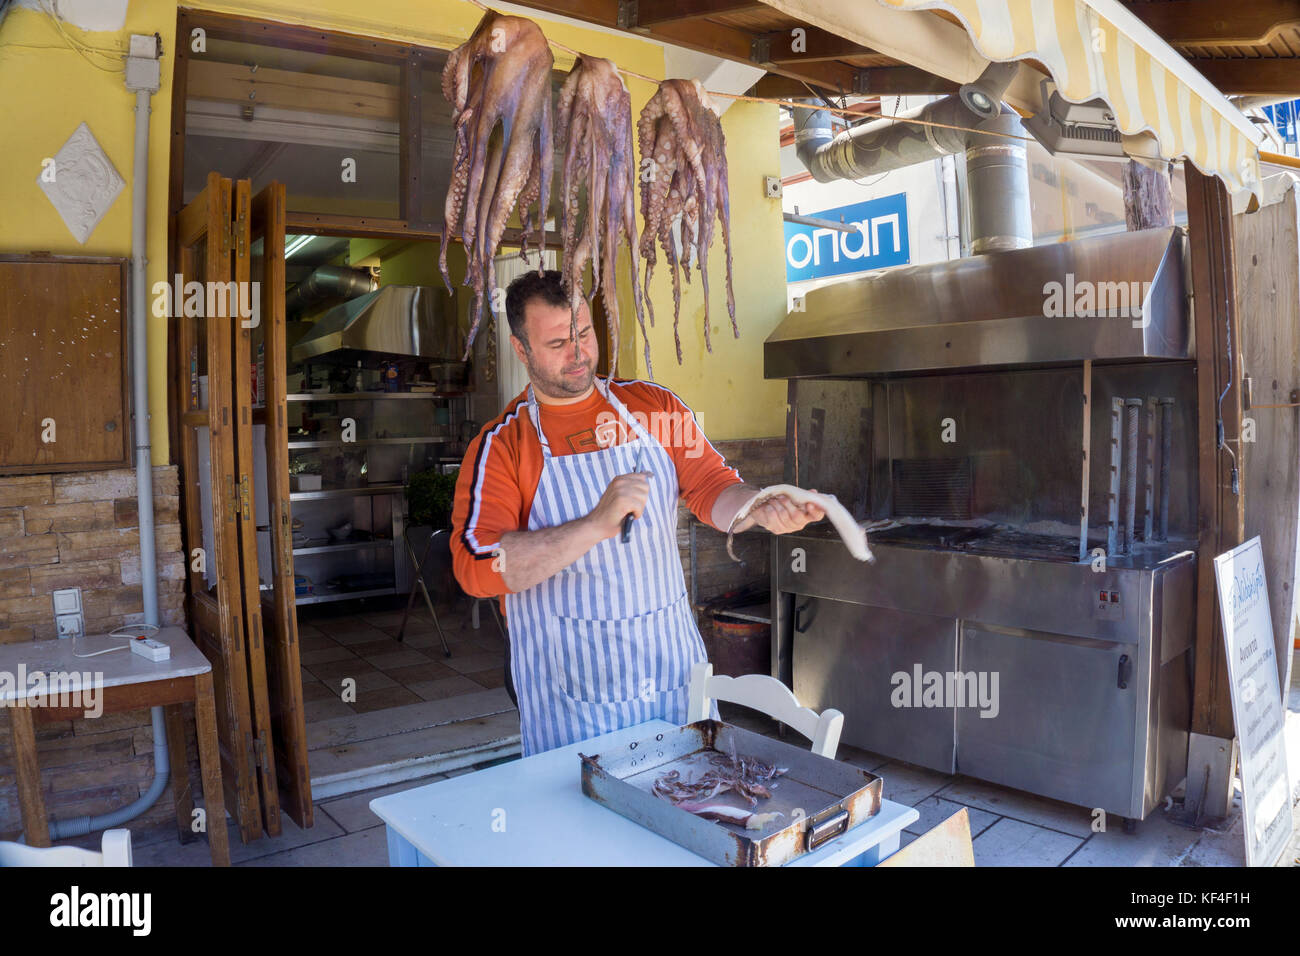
[(1242, 46), (749, 31)]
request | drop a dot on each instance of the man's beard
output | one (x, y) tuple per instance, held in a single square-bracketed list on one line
[(565, 386)]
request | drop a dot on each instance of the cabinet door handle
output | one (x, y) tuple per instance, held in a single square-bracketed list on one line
[(1125, 671), (800, 625)]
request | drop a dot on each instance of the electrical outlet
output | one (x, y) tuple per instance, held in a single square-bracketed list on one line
[(67, 601), (772, 187), (67, 612)]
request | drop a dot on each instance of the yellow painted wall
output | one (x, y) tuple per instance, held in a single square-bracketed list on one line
[(50, 89)]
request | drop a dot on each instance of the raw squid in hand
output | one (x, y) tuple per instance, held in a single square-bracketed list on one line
[(594, 118), (852, 533), (686, 180), (501, 74)]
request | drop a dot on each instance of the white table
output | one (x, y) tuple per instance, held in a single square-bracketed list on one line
[(532, 812), (74, 687)]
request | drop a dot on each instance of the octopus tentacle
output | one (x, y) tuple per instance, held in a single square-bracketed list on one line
[(596, 126), (689, 146), (499, 77)]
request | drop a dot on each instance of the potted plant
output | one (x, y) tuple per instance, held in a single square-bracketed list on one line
[(429, 497)]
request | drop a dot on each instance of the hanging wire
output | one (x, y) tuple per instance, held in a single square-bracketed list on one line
[(83, 49)]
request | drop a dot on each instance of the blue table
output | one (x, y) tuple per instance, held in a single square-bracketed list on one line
[(532, 812)]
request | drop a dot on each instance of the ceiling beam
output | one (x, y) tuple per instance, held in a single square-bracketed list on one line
[(874, 81), (702, 35), (806, 45), (1206, 22), (1265, 76), (904, 81), (648, 13)]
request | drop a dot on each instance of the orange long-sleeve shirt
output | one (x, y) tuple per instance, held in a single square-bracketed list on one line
[(502, 467)]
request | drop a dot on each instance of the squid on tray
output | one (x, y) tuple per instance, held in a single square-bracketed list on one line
[(594, 118), (501, 74), (686, 180)]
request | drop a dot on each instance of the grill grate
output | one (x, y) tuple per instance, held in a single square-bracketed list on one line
[(932, 488)]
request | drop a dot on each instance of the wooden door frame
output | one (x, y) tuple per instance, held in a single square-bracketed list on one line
[(213, 618), (288, 720), (250, 590), (1220, 505)]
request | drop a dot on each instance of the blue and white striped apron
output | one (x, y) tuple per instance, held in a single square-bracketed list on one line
[(609, 641)]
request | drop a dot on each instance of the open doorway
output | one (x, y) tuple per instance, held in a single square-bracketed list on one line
[(356, 428)]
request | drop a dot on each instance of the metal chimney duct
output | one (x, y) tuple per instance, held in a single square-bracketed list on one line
[(971, 121)]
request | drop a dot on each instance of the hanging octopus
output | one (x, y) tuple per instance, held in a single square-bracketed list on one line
[(685, 182), (502, 73), (594, 118)]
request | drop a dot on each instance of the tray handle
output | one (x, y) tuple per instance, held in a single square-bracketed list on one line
[(827, 829)]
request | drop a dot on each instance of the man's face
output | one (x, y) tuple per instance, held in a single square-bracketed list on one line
[(556, 368)]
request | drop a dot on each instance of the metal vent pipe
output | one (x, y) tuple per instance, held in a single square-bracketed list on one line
[(328, 282), (971, 122)]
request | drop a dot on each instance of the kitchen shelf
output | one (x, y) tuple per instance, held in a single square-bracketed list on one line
[(363, 396), (323, 595), (323, 493), (361, 442), (754, 613), (350, 545)]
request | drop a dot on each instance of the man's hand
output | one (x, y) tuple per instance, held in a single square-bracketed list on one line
[(626, 494), (781, 516)]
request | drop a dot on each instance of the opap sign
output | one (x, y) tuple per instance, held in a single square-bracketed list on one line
[(813, 252)]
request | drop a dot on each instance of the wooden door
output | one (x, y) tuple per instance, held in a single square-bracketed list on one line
[(284, 673), (241, 330), (204, 427)]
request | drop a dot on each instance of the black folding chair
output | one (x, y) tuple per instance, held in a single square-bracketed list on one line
[(430, 553), (426, 559)]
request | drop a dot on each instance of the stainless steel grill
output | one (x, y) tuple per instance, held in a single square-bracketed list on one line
[(1013, 546), (932, 487)]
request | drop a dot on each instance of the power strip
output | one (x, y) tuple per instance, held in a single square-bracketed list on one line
[(150, 649)]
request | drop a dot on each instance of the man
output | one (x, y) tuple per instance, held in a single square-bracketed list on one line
[(601, 631)]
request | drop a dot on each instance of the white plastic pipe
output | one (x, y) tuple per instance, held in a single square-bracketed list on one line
[(79, 826)]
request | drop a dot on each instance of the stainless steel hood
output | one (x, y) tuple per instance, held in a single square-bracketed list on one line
[(395, 321), (1112, 298)]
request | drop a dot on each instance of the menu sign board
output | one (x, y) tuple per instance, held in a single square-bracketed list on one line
[(1256, 701)]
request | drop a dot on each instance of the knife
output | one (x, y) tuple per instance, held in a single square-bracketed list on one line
[(629, 517)]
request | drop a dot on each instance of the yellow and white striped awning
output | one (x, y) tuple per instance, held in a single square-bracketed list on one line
[(1096, 48)]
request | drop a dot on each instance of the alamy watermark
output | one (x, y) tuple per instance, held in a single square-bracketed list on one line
[(74, 690), (922, 688), (1087, 299), (671, 429), (195, 299)]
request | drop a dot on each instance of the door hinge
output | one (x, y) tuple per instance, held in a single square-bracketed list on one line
[(254, 750), (241, 231), (286, 539), (232, 493), (244, 498), (227, 238)]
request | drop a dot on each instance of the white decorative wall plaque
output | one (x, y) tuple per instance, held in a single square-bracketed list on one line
[(82, 183)]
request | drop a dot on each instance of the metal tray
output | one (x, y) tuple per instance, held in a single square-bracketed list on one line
[(819, 798)]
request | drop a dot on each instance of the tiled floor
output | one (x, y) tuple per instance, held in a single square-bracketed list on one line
[(1009, 827), (353, 664)]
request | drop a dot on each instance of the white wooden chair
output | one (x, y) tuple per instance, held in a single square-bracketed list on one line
[(115, 850), (769, 695)]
